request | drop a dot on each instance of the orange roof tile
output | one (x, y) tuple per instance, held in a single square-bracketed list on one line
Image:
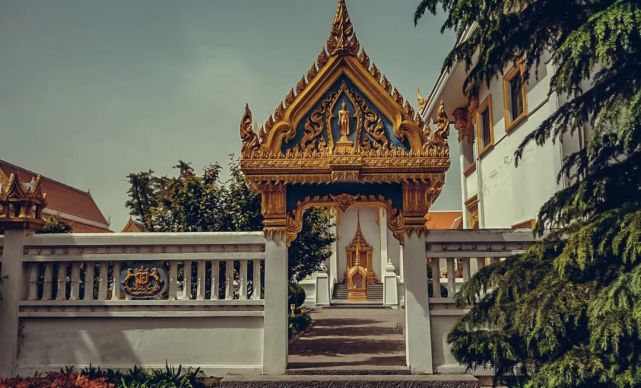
[(444, 219)]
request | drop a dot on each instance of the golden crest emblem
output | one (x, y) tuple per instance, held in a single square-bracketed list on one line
[(143, 281)]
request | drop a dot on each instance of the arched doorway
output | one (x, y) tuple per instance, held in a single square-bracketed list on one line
[(342, 136)]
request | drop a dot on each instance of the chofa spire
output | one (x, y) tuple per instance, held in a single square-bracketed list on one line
[(342, 40)]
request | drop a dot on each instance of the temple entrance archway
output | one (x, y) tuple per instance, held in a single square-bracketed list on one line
[(343, 136)]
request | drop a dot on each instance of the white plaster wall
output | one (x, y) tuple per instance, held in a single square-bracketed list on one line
[(440, 326), (216, 344), (471, 185), (509, 195), (346, 230)]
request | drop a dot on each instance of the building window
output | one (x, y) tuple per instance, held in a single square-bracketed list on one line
[(485, 129), (514, 97)]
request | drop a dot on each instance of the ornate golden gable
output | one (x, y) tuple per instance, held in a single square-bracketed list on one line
[(314, 138)]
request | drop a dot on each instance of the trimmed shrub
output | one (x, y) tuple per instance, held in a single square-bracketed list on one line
[(296, 295)]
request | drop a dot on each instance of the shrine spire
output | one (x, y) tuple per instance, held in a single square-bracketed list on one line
[(342, 40)]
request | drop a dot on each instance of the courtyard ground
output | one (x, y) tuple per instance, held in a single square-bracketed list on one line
[(351, 338)]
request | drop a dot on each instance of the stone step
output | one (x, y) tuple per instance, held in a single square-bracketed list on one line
[(350, 381), (363, 304), (351, 370), (374, 292)]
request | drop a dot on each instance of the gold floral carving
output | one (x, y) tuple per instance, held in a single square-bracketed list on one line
[(21, 204)]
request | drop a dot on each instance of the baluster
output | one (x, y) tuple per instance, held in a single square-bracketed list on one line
[(200, 286), (187, 280), (115, 287), (103, 280), (173, 280), (229, 280), (242, 281), (215, 281), (75, 281), (451, 285), (436, 281), (466, 268), (62, 281), (33, 281), (48, 282), (89, 280), (495, 260), (256, 282)]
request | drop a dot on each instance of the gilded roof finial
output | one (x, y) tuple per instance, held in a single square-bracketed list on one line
[(342, 40), (422, 101)]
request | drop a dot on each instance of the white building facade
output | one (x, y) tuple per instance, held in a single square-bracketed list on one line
[(495, 193)]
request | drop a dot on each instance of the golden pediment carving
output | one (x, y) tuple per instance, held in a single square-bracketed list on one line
[(309, 104), (344, 122)]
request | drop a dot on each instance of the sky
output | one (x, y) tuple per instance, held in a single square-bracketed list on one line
[(92, 90)]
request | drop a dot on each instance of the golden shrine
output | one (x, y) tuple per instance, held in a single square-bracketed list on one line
[(342, 136), (359, 271)]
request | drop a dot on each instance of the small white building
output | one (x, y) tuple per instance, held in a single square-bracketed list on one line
[(495, 193)]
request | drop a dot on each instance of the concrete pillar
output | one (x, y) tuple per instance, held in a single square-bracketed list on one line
[(390, 284), (417, 311), (322, 289), (12, 288), (275, 339), (333, 259)]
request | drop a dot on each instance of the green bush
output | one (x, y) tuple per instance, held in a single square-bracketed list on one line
[(296, 295), (93, 377), (298, 323)]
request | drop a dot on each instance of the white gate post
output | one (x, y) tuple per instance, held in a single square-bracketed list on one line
[(275, 337), (418, 337), (11, 289)]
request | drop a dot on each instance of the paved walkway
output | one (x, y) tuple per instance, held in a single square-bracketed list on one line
[(351, 338)]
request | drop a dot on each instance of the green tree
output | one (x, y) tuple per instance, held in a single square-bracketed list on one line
[(190, 202), (567, 313), (55, 224)]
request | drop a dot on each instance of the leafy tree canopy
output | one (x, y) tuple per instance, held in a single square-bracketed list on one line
[(567, 313), (190, 202)]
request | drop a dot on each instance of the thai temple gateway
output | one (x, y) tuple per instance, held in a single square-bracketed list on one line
[(343, 139)]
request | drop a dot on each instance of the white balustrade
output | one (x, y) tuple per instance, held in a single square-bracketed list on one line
[(70, 269), (454, 256)]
